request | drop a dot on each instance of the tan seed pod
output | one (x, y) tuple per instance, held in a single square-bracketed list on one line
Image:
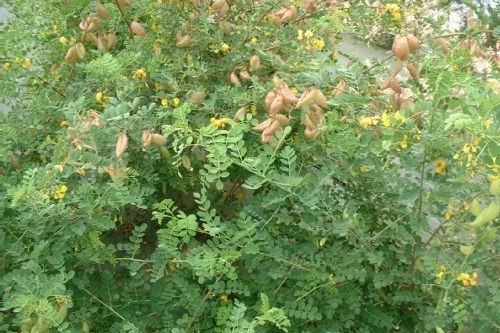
[(289, 15), (112, 40), (182, 41), (121, 144), (146, 139), (276, 105), (263, 125), (400, 47), (195, 97), (158, 139), (319, 98), (116, 171), (287, 95), (443, 45), (397, 66), (239, 115), (234, 79), (124, 4), (284, 120), (385, 84), (340, 88), (310, 6), (223, 11), (412, 69), (309, 133), (315, 114), (245, 76), (272, 129), (102, 11), (90, 37), (306, 99), (254, 63), (84, 25), (218, 5), (102, 42), (72, 55), (93, 23), (413, 42), (395, 86), (395, 102), (137, 29), (269, 99), (280, 12), (308, 122)]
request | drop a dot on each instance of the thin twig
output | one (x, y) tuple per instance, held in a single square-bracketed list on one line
[(377, 64), (125, 19), (44, 81), (107, 306)]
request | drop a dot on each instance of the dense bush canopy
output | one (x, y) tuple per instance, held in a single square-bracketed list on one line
[(219, 166)]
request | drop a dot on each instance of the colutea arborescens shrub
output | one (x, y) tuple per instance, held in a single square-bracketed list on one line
[(198, 166)]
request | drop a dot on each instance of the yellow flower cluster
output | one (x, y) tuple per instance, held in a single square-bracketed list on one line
[(139, 74), (468, 279), (394, 10), (367, 122), (317, 43), (224, 47), (218, 122), (61, 192), (469, 149)]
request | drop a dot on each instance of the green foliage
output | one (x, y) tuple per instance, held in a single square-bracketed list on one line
[(197, 222)]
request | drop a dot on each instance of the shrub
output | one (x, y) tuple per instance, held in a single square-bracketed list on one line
[(189, 166)]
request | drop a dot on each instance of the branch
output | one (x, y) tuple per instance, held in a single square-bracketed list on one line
[(124, 18)]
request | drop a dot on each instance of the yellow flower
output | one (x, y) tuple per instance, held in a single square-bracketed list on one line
[(300, 34), (139, 74), (6, 66), (26, 63), (404, 143), (154, 26), (64, 123), (253, 110), (164, 102), (367, 122), (61, 192), (63, 40), (224, 298), (308, 34), (396, 16), (467, 279), (72, 41), (386, 120), (218, 122), (176, 101), (101, 98), (158, 86), (363, 169), (253, 40), (224, 47), (440, 166), (442, 271), (319, 44), (399, 117)]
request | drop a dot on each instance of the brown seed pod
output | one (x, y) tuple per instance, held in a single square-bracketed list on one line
[(276, 105), (319, 98), (239, 115), (287, 95), (158, 139), (123, 4), (218, 5), (280, 12), (121, 144), (308, 122), (225, 27), (397, 66), (272, 129), (400, 47), (137, 29), (234, 79), (146, 139), (306, 99), (413, 42), (412, 69), (112, 40), (116, 171), (395, 86), (284, 120), (316, 115), (340, 88), (182, 41), (310, 6), (395, 101), (443, 45), (223, 11), (75, 53), (263, 125), (308, 132), (269, 99), (195, 97), (254, 63), (102, 11), (245, 76), (102, 42), (289, 15), (90, 37)]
